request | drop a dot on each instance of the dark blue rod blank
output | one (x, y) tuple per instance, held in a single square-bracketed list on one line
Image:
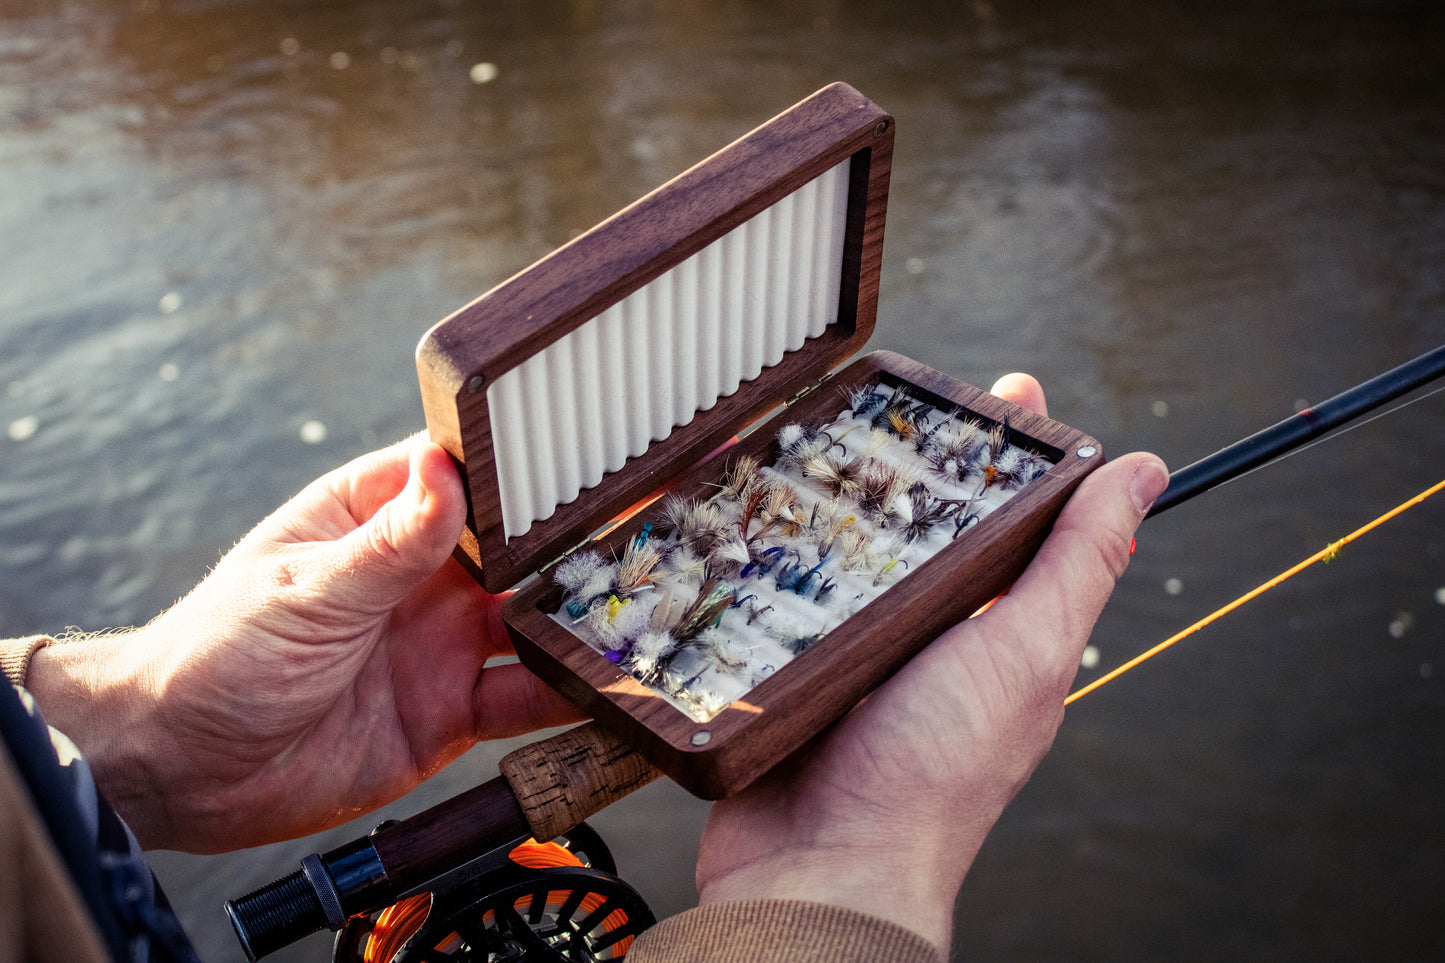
[(1258, 448)]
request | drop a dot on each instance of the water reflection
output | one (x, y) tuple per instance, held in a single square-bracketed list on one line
[(224, 224)]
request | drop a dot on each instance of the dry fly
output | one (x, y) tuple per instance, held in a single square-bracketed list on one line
[(778, 511), (927, 431), (901, 423), (598, 620), (683, 567), (636, 567), (867, 401), (952, 451), (927, 512), (697, 525), (741, 479), (797, 642), (585, 577), (712, 601), (898, 403), (854, 544), (997, 442), (668, 610), (728, 557), (887, 559), (720, 652), (702, 703), (838, 475), (829, 529), (649, 656), (797, 443), (756, 494), (677, 513), (878, 491), (1014, 467), (877, 444)]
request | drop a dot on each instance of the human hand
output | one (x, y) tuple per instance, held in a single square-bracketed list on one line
[(885, 813), (332, 660)]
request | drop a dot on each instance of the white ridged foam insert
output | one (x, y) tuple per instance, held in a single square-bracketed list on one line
[(586, 403)]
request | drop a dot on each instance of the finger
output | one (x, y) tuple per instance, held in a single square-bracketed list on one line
[(1065, 587), (499, 639), (451, 610), (408, 538), (1023, 390), (369, 482), (510, 701)]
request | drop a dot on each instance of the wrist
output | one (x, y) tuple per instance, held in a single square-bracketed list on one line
[(901, 881), (98, 690)]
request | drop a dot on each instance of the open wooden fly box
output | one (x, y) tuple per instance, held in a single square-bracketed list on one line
[(777, 582)]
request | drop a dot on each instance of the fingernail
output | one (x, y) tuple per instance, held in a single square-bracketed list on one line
[(1146, 484), (416, 491)]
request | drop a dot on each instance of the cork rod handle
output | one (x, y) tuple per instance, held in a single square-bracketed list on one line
[(561, 781), (546, 789)]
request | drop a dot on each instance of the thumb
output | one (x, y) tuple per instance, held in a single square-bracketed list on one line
[(1072, 575), (408, 537)]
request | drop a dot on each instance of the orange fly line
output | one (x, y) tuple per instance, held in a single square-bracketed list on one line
[(1325, 552)]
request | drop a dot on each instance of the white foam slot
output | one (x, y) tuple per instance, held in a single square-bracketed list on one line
[(601, 394)]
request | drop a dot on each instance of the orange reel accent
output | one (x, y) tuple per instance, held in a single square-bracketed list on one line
[(398, 923)]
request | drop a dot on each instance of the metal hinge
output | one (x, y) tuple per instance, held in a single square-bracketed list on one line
[(798, 395)]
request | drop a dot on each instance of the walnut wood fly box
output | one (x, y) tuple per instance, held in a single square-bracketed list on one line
[(781, 579)]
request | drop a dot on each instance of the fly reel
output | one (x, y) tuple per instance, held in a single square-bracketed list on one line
[(535, 903)]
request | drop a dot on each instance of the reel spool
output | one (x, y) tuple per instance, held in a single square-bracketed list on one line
[(556, 902)]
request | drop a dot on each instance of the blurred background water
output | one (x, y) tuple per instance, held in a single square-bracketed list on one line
[(224, 224)]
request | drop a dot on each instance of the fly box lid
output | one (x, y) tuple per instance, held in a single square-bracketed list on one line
[(778, 582), (757, 266)]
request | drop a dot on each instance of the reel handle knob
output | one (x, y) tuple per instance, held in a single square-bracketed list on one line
[(276, 915)]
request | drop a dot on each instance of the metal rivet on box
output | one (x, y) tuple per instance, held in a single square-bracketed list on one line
[(475, 382), (701, 738), (1088, 451), (881, 128)]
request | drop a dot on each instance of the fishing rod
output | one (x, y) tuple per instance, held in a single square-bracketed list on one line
[(1283, 437), (1275, 442), (548, 788)]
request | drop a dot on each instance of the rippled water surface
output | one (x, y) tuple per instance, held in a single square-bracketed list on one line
[(224, 225)]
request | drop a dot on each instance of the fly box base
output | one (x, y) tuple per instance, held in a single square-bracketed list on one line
[(779, 580)]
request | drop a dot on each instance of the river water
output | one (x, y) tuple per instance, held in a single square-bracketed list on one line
[(225, 223)]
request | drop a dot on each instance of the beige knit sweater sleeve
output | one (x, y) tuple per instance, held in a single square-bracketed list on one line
[(780, 931), (15, 656)]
